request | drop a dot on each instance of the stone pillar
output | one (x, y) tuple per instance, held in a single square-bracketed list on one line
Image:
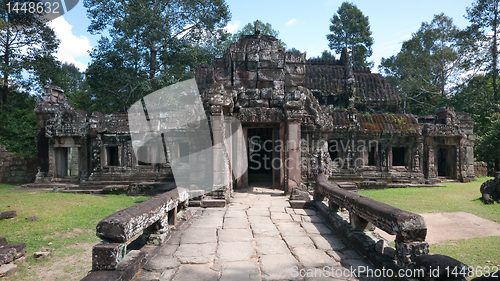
[(228, 143), (431, 163), (219, 151), (283, 168), (406, 252), (243, 181), (240, 144), (359, 224), (294, 158)]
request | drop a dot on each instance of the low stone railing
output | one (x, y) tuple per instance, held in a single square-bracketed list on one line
[(365, 213), (118, 230)]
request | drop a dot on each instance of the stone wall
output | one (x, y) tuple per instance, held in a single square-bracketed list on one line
[(16, 169), (481, 169)]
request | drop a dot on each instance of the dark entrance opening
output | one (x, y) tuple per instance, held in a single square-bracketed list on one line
[(398, 156), (371, 156), (112, 155), (445, 162), (260, 154)]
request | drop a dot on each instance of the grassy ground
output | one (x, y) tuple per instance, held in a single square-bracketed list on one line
[(66, 222), (453, 197)]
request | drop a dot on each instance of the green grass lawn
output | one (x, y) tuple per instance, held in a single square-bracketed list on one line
[(453, 197), (64, 222)]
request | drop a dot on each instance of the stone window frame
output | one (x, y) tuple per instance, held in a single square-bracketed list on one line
[(405, 156), (105, 161)]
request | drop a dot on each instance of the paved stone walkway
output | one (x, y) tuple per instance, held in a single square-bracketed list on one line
[(257, 237)]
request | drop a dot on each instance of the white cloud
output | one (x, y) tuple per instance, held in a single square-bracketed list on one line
[(292, 21), (232, 27), (71, 46)]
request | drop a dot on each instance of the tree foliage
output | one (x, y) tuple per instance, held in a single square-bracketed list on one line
[(249, 29), (18, 123), (351, 29), (485, 22), (151, 44), (24, 38), (428, 66), (488, 144), (476, 98), (325, 55)]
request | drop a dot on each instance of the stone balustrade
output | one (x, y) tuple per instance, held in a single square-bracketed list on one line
[(365, 214), (118, 230)]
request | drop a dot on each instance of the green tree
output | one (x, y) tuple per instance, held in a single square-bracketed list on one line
[(249, 29), (148, 44), (476, 98), (351, 29), (24, 38), (18, 123), (428, 66), (484, 17), (487, 145), (325, 55), (294, 51)]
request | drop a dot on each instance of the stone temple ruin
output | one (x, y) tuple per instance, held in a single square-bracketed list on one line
[(300, 117)]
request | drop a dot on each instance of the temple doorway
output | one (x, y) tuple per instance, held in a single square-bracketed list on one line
[(446, 162), (264, 156)]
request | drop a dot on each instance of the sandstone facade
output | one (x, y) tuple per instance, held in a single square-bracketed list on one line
[(299, 116)]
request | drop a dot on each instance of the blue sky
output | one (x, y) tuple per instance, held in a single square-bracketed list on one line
[(301, 24)]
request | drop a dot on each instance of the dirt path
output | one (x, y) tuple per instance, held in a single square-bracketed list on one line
[(454, 226)]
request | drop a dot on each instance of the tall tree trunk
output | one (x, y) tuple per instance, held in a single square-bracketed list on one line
[(495, 56), (152, 63), (5, 88)]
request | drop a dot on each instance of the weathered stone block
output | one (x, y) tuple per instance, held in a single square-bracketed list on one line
[(253, 57), (20, 249), (245, 75), (279, 85), (259, 103), (239, 56), (299, 194), (213, 203), (252, 66), (128, 268), (301, 204), (244, 103), (7, 255), (407, 252), (8, 269), (3, 241), (8, 215), (249, 84), (266, 93), (40, 255), (293, 68), (270, 74), (276, 103), (251, 94), (107, 256), (278, 95), (125, 224), (252, 46), (439, 267), (270, 64), (293, 58), (265, 56), (292, 80)]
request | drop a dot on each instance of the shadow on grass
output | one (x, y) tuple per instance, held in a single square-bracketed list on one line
[(140, 200)]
